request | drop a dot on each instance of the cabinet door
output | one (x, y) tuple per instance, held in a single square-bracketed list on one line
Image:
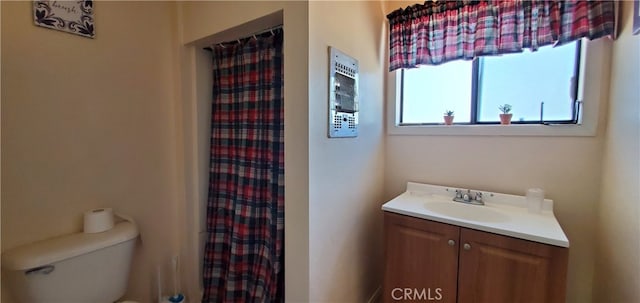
[(420, 261), (497, 269)]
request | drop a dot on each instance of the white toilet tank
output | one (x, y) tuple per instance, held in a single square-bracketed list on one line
[(77, 268)]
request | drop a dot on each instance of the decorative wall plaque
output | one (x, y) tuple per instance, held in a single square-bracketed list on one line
[(74, 17)]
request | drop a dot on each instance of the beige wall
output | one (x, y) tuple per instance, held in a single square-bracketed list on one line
[(346, 174), (101, 122), (617, 265), (204, 20), (568, 168), (90, 123)]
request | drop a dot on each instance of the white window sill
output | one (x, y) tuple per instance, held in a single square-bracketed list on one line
[(567, 130)]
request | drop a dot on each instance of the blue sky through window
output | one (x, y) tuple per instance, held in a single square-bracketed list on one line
[(522, 80)]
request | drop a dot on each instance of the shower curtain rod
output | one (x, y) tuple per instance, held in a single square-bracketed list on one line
[(253, 35)]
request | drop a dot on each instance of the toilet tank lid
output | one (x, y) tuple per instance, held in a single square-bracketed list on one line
[(61, 248)]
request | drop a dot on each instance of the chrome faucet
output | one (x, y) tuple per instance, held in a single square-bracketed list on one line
[(469, 197)]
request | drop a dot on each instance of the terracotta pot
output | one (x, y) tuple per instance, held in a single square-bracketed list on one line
[(505, 118), (448, 120)]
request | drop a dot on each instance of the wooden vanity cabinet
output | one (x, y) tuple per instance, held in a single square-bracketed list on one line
[(430, 261)]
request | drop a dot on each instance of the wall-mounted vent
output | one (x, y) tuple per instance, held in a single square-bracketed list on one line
[(343, 95)]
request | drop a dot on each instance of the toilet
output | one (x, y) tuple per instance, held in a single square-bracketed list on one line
[(76, 268)]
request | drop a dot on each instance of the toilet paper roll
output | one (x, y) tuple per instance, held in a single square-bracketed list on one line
[(98, 220)]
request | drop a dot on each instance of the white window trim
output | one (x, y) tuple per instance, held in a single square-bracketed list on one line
[(594, 86)]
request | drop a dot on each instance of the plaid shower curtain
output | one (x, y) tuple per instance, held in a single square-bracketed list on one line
[(244, 253), (437, 32)]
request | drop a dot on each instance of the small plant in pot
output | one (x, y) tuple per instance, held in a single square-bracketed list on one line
[(448, 117), (505, 117)]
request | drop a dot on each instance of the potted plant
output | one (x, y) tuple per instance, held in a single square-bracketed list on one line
[(448, 117), (505, 117)]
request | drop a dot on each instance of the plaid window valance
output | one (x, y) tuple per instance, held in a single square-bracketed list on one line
[(437, 32)]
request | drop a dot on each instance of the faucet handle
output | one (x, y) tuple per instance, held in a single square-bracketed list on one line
[(467, 196), (478, 196)]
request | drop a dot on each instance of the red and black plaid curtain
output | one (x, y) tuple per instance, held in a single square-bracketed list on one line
[(244, 253), (437, 32)]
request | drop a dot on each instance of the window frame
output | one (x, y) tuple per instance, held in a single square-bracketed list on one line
[(475, 79), (592, 91)]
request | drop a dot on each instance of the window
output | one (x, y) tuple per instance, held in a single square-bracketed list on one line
[(541, 86)]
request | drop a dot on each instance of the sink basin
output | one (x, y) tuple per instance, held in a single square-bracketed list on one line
[(431, 197), (466, 212)]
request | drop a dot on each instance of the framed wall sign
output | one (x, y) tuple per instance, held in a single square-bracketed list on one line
[(74, 17)]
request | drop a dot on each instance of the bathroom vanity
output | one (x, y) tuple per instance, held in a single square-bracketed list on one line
[(444, 251)]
